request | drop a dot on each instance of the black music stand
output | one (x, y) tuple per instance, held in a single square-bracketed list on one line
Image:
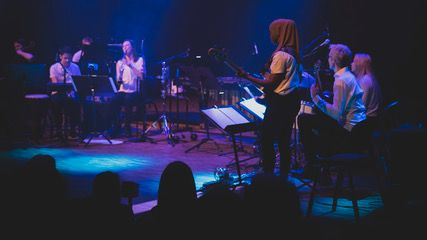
[(89, 86), (205, 79), (231, 121)]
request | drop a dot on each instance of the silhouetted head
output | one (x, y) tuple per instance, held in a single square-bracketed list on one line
[(42, 162), (106, 187), (177, 186)]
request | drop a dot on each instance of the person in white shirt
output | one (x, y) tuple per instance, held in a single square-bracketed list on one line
[(86, 41), (64, 102), (129, 76), (329, 131), (281, 95), (372, 97)]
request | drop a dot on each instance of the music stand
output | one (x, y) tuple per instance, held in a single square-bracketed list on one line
[(254, 108), (89, 86), (202, 77), (231, 121)]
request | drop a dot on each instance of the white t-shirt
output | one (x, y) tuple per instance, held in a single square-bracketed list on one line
[(57, 71), (285, 63), (129, 78)]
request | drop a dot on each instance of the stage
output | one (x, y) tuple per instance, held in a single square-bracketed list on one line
[(143, 163)]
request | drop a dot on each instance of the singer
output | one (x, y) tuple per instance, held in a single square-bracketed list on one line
[(129, 76), (282, 98)]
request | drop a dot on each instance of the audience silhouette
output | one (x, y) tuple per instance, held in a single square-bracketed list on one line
[(176, 202)]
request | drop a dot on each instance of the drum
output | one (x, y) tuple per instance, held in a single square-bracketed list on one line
[(307, 107), (174, 89), (36, 107)]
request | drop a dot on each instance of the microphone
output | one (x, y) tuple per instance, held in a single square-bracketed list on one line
[(211, 52), (114, 45), (187, 53), (324, 43), (255, 52)]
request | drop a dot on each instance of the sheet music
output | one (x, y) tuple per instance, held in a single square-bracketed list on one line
[(225, 116), (233, 115), (254, 107)]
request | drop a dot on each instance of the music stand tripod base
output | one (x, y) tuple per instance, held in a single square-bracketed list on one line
[(91, 135), (90, 86)]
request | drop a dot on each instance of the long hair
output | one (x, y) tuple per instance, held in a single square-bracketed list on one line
[(134, 51), (177, 186), (362, 63)]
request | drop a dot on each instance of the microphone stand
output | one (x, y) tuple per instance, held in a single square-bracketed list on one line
[(143, 136), (163, 118)]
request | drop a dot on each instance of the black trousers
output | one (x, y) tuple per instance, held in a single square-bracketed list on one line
[(279, 118), (321, 134), (67, 106), (128, 100)]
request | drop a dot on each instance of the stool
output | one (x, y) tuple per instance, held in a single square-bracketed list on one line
[(36, 108), (344, 164)]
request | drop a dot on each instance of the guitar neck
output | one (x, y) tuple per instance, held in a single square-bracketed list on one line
[(232, 65), (318, 82)]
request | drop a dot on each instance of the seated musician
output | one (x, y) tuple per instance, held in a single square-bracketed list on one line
[(129, 73), (372, 96), (23, 51), (329, 132), (80, 54), (63, 95)]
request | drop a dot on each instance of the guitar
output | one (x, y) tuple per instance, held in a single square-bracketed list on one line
[(327, 95), (220, 56)]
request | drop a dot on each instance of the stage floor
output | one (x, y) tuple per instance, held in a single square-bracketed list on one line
[(144, 162)]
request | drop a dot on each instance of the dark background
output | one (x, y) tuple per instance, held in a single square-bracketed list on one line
[(391, 32)]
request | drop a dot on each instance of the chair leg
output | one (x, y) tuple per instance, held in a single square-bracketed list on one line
[(338, 186), (313, 191), (353, 198)]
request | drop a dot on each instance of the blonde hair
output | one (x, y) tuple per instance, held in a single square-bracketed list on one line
[(341, 55), (362, 63)]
